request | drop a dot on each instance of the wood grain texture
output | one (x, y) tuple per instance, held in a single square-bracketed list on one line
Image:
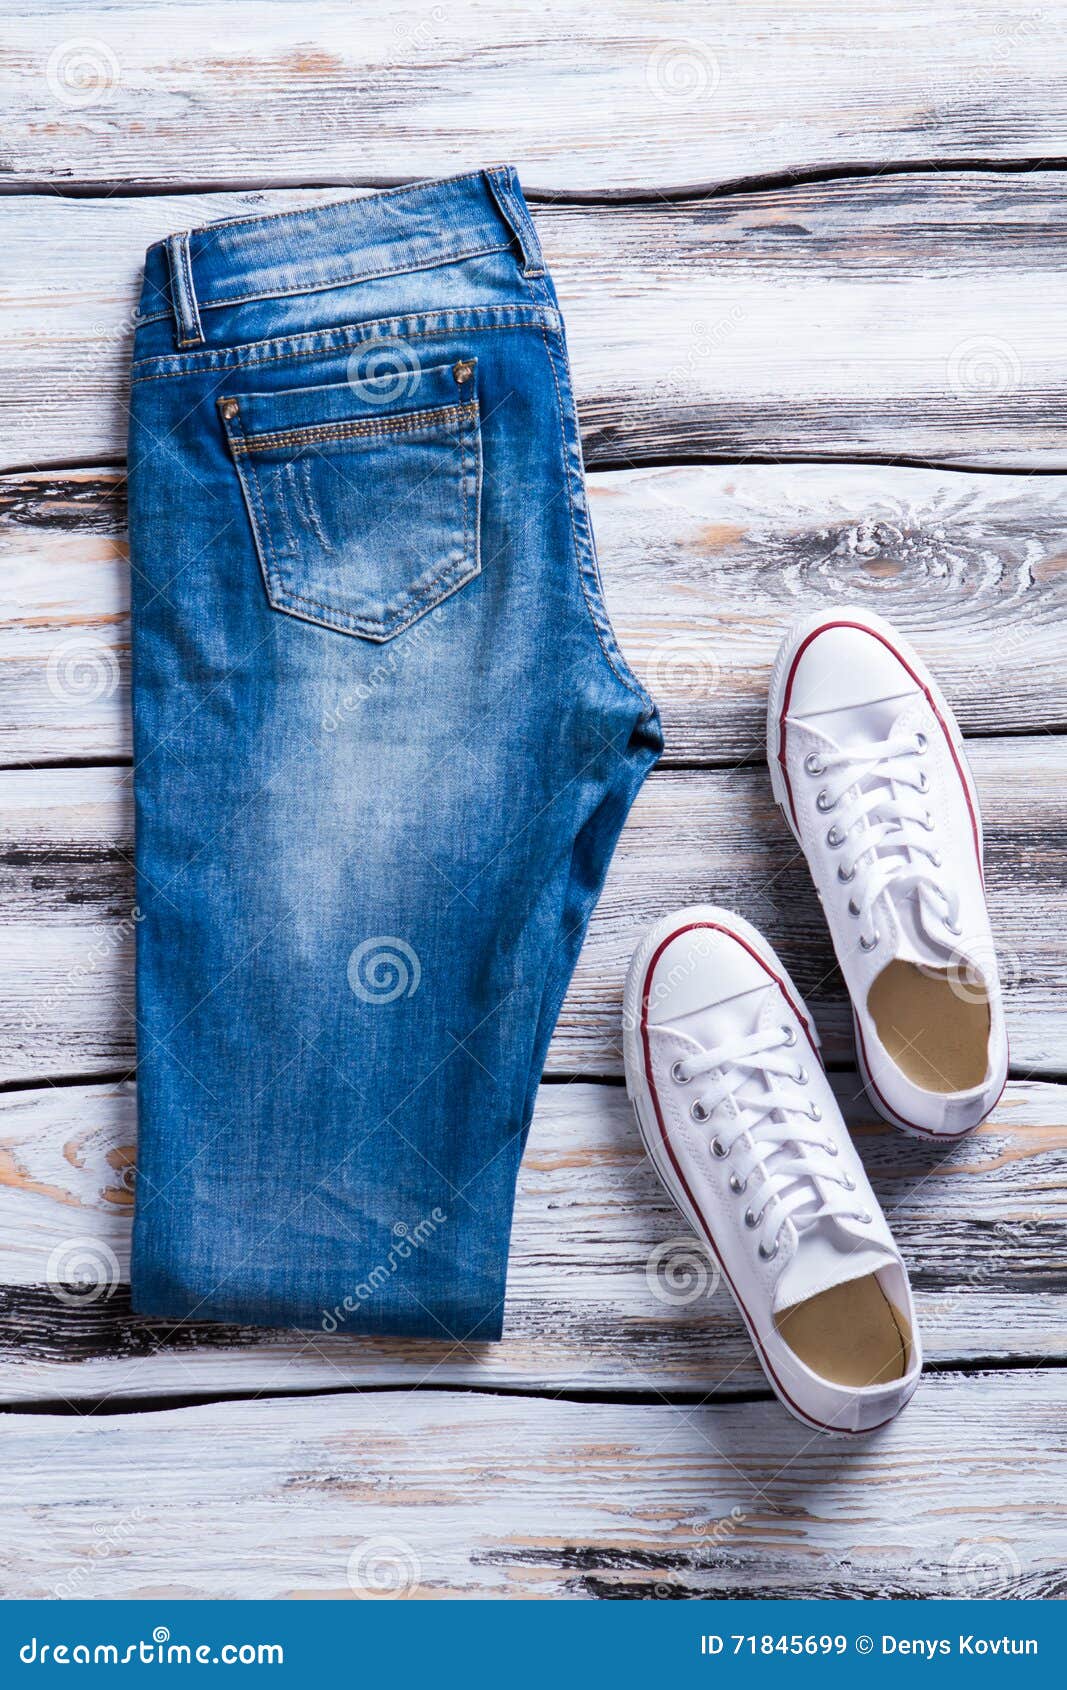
[(704, 568), (440, 1494), (636, 93), (607, 1289), (67, 922), (914, 316), (64, 617)]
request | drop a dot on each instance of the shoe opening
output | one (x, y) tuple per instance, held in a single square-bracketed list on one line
[(851, 1334), (934, 1026)]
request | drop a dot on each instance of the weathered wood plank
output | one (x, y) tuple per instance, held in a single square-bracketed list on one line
[(704, 566), (670, 91), (894, 316), (606, 1289), (64, 617), (441, 1494), (66, 928)]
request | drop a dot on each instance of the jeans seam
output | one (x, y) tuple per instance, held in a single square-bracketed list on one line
[(264, 551), (535, 320), (228, 300), (435, 263), (614, 659)]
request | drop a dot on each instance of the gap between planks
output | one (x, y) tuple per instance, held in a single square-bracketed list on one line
[(739, 312), (780, 181), (668, 1397)]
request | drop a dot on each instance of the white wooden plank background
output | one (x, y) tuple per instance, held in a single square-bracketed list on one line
[(606, 1289), (67, 933), (703, 566), (906, 316), (921, 317), (442, 1494), (629, 93)]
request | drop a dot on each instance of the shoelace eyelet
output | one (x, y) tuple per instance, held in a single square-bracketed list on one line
[(823, 802), (768, 1255), (814, 1112), (831, 1148), (719, 1150), (865, 1219), (790, 1036), (814, 763), (835, 838), (954, 928), (737, 1186), (844, 878), (801, 1076), (928, 822), (678, 1074), (853, 909), (752, 1221), (924, 784), (921, 742), (699, 1113), (850, 1184), (872, 943)]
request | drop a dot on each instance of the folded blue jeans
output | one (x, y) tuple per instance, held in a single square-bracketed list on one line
[(384, 744)]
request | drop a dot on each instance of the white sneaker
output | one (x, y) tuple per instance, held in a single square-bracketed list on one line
[(867, 764), (741, 1125)]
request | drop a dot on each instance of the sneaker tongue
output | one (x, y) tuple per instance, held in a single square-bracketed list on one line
[(731, 1018), (914, 943), (826, 1255), (852, 727)]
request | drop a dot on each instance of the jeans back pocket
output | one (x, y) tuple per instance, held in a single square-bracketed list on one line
[(364, 504)]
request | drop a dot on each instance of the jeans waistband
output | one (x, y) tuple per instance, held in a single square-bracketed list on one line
[(327, 246)]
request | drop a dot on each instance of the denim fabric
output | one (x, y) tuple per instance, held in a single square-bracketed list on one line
[(384, 745)]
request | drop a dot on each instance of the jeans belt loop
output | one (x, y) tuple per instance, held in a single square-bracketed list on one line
[(183, 293)]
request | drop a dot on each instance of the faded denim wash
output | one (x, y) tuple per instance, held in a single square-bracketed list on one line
[(384, 745)]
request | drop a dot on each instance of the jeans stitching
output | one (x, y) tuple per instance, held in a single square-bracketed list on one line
[(262, 543), (186, 303), (319, 433), (228, 357), (347, 620), (435, 263), (311, 210), (618, 666)]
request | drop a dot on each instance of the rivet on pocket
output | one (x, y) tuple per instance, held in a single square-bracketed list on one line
[(227, 409), (463, 370)]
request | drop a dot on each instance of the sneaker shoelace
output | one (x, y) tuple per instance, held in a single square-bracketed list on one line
[(772, 1130), (884, 830)]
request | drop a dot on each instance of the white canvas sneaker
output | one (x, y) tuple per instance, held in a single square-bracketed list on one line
[(740, 1123), (867, 764)]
